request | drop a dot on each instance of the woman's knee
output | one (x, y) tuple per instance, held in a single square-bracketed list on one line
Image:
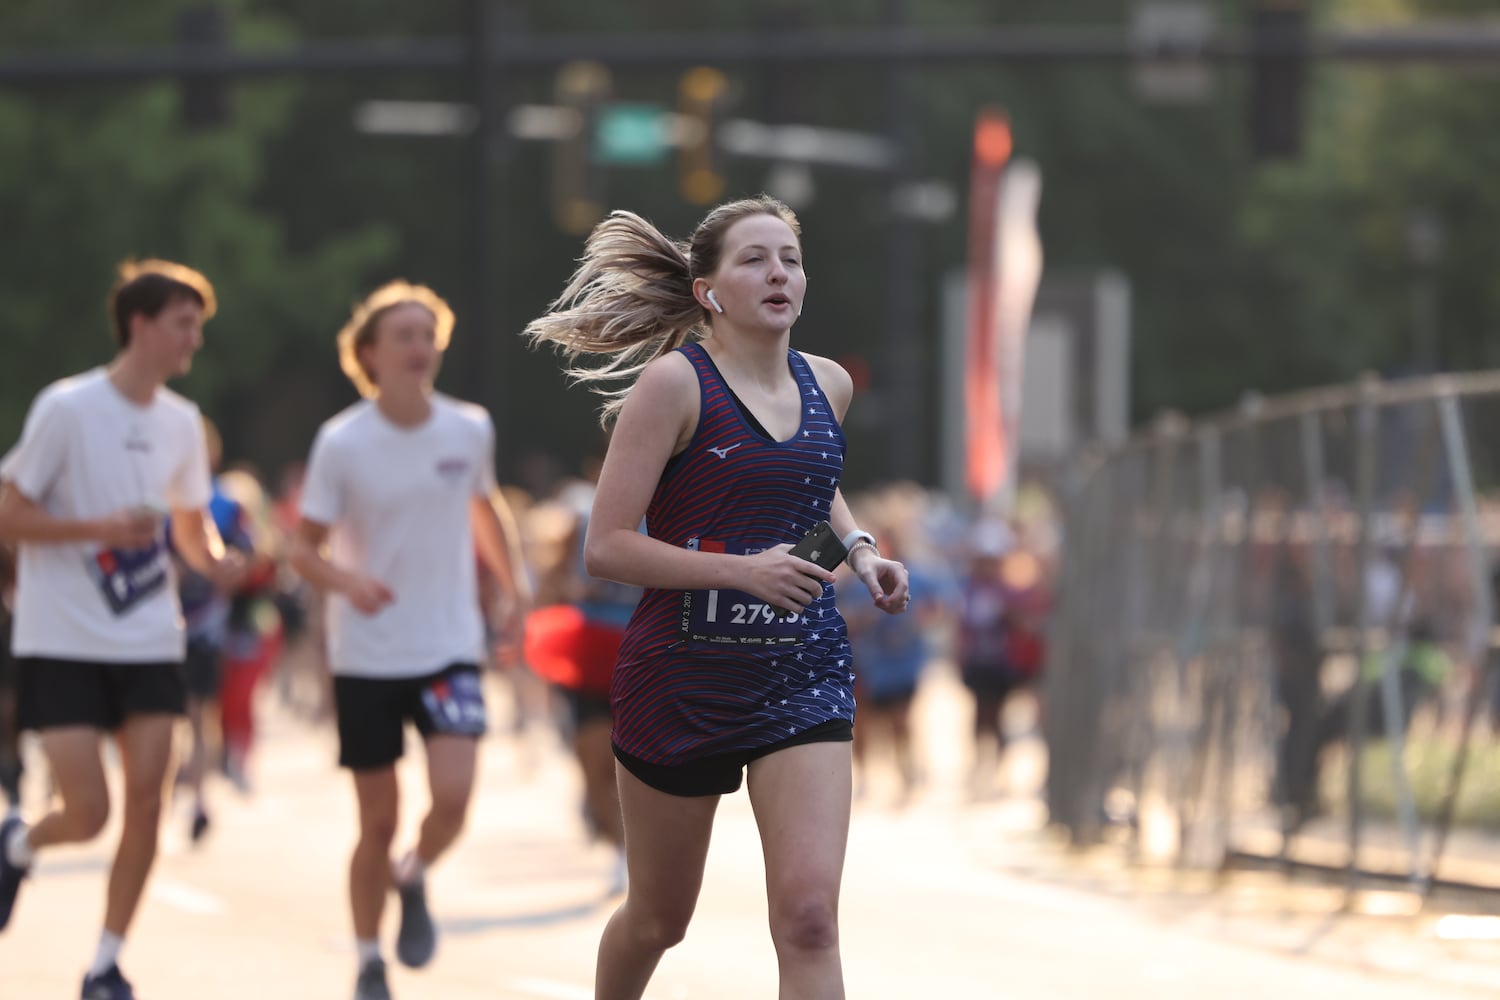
[(377, 830), (660, 928), (805, 921), (143, 801), (450, 806)]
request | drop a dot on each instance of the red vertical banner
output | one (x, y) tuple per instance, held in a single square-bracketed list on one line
[(985, 446), (1018, 274), (1004, 271)]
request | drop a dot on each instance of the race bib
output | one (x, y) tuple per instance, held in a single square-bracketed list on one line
[(455, 704), (126, 577), (733, 617)]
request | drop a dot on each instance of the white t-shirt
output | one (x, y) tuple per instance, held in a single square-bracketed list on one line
[(86, 452), (397, 500)]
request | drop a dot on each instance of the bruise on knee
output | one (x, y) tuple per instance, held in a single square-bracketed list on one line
[(808, 923)]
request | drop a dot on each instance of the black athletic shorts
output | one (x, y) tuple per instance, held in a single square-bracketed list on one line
[(203, 669), (373, 711), (57, 693), (8, 678), (720, 774)]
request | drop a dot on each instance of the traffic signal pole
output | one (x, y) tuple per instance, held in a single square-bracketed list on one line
[(1449, 43), (905, 369), (484, 374)]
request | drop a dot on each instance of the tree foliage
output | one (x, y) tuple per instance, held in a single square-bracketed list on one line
[(1247, 275)]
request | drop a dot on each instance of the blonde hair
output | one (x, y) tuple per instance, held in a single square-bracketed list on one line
[(631, 298), (364, 322)]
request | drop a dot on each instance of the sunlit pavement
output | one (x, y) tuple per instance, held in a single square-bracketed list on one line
[(944, 898)]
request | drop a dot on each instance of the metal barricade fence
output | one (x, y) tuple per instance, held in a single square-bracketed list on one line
[(1273, 637)]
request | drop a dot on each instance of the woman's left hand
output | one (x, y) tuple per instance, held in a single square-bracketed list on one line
[(885, 578)]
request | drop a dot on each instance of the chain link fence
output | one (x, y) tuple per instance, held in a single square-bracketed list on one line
[(1274, 637)]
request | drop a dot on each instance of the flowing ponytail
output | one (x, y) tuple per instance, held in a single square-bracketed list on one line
[(631, 298)]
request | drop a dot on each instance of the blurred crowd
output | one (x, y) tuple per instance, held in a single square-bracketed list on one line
[(983, 588)]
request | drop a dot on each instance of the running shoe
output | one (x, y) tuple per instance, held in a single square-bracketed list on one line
[(108, 985), (417, 940), (10, 874), (371, 984)]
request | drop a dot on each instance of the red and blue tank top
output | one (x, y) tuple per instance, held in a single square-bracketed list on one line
[(716, 671)]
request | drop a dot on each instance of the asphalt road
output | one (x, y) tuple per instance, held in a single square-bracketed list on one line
[(944, 898)]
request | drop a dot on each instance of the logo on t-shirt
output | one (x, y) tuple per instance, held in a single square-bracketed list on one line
[(453, 470), (126, 577)]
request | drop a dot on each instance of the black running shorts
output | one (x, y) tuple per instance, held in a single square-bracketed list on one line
[(722, 773), (56, 693), (203, 669), (373, 711)]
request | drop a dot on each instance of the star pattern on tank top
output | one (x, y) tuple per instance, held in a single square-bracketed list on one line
[(797, 686)]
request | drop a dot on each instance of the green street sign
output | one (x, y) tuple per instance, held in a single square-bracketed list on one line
[(630, 135)]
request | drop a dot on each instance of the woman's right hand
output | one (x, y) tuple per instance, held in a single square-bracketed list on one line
[(784, 580)]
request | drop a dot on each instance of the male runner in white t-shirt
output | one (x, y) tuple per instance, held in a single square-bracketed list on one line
[(103, 459), (399, 484)]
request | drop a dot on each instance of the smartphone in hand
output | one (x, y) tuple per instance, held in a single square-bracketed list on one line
[(821, 545)]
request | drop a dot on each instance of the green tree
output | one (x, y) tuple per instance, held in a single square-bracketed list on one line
[(1379, 236), (93, 176)]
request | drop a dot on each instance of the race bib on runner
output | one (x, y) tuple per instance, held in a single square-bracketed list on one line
[(733, 617), (126, 577), (455, 704)]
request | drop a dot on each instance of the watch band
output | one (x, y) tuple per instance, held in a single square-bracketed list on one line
[(857, 537)]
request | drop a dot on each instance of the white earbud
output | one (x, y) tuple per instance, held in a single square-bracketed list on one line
[(714, 302)]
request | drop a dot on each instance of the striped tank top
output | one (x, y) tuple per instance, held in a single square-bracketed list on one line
[(709, 672)]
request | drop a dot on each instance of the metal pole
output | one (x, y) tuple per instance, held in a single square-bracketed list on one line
[(1455, 442), (1314, 469), (1230, 674), (1364, 471), (1397, 630), (1202, 624), (485, 382), (906, 373), (1450, 44)]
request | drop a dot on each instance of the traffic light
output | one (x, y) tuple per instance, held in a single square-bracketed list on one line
[(577, 180), (204, 31), (1277, 72), (702, 94)]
